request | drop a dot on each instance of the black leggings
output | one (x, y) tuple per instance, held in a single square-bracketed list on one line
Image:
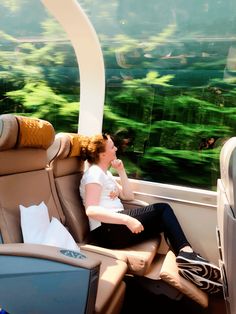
[(155, 218)]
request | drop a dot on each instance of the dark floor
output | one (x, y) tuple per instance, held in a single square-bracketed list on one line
[(138, 300)]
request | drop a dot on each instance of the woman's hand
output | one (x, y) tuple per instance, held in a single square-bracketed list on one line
[(117, 164), (125, 189), (134, 225)]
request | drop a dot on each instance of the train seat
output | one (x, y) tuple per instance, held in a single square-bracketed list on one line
[(157, 273), (226, 220), (53, 279), (68, 167)]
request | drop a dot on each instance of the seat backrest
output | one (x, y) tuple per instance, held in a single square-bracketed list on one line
[(24, 179), (228, 171), (226, 220), (68, 167)]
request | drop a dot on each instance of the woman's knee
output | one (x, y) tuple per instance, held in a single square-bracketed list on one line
[(165, 207)]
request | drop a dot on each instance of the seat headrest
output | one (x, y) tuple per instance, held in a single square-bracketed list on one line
[(67, 145), (24, 132)]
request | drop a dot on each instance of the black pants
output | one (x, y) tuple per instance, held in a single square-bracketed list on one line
[(155, 218)]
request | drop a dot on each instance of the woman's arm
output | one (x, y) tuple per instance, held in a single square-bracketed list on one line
[(125, 190), (93, 210)]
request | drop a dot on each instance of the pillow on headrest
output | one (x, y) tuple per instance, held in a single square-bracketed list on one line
[(76, 143), (71, 144), (18, 131), (34, 133)]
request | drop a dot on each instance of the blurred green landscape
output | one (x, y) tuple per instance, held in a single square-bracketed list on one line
[(170, 80)]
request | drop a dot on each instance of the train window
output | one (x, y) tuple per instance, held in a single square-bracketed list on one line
[(170, 85), (170, 80), (38, 72)]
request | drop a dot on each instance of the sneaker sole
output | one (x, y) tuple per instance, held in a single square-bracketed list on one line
[(206, 285), (202, 269)]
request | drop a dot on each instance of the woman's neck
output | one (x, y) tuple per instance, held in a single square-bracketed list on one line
[(103, 165)]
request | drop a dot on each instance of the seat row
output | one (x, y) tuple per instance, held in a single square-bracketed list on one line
[(36, 165)]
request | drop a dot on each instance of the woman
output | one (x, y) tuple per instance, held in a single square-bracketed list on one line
[(112, 226)]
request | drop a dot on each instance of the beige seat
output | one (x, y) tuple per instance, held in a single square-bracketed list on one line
[(157, 273), (68, 168), (24, 179), (226, 220)]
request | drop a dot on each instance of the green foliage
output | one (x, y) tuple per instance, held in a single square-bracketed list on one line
[(40, 101), (170, 128), (165, 87), (35, 81)]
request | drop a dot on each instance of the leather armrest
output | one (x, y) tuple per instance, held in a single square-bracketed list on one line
[(39, 251)]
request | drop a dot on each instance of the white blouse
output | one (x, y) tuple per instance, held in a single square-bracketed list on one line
[(109, 197)]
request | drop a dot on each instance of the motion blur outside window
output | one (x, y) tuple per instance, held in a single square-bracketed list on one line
[(170, 80)]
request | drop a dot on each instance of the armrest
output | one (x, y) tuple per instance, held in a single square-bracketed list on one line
[(52, 253), (134, 204), (104, 251)]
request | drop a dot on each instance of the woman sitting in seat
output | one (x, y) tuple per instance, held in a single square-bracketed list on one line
[(112, 226)]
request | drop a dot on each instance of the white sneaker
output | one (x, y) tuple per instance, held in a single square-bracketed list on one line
[(197, 265), (206, 285)]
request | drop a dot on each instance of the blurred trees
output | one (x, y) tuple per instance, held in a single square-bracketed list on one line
[(170, 128), (38, 70), (166, 94)]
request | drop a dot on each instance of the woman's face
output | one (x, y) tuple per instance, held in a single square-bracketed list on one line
[(110, 150)]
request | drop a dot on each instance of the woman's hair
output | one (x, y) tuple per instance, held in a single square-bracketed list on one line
[(93, 147)]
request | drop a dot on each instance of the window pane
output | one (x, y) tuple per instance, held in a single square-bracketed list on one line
[(38, 70), (170, 85), (170, 79)]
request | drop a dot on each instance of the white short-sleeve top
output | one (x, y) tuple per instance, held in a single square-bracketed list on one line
[(94, 174)]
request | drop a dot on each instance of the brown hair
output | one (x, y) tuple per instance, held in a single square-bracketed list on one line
[(95, 146)]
